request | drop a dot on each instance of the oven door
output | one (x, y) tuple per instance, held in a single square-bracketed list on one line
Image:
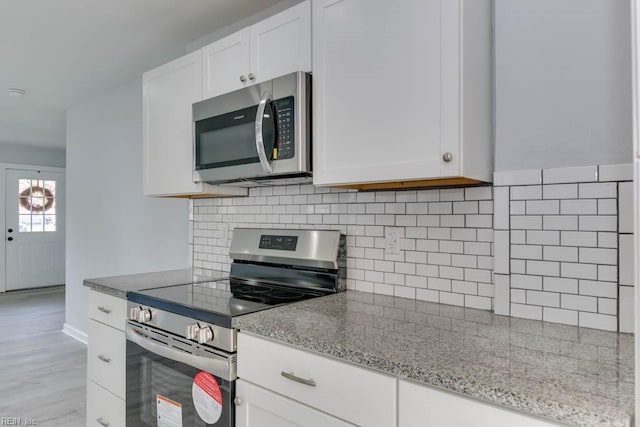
[(174, 382)]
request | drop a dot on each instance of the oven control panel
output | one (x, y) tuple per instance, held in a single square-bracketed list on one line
[(280, 243)]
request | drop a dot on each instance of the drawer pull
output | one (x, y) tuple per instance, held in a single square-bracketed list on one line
[(104, 309), (105, 359), (102, 422), (292, 377)]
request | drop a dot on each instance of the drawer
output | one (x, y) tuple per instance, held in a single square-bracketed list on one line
[(106, 357), (341, 389), (103, 408), (108, 309)]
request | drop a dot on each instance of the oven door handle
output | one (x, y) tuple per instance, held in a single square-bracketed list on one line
[(214, 364), (262, 155)]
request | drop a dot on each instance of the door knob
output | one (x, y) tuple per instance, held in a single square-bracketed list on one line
[(251, 76), (10, 230), (10, 239), (243, 79)]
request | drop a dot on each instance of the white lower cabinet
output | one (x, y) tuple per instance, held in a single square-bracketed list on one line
[(106, 361), (350, 393), (104, 409), (257, 407), (421, 406)]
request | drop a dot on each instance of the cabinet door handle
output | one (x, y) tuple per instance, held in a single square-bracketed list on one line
[(243, 79), (104, 358), (104, 309), (102, 422), (290, 376), (252, 76)]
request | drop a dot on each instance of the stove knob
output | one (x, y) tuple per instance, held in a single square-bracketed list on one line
[(133, 313), (192, 331), (205, 335), (144, 315)]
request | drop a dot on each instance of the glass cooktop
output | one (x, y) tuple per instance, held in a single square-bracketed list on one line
[(218, 302)]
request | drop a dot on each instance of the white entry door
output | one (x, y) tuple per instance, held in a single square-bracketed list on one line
[(34, 235)]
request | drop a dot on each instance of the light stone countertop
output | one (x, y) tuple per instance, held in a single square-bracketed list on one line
[(571, 375), (118, 286)]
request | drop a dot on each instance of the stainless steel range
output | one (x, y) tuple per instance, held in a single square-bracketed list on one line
[(181, 361)]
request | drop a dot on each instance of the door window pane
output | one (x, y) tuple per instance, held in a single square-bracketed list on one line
[(36, 205)]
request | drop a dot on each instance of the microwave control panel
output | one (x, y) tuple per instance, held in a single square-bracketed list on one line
[(284, 148)]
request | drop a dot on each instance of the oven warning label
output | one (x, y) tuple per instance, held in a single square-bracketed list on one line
[(169, 413), (207, 397)]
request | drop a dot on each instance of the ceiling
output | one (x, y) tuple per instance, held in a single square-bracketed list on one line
[(64, 51)]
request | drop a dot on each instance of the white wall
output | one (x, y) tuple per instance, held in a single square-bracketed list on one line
[(32, 155), (563, 83), (111, 228)]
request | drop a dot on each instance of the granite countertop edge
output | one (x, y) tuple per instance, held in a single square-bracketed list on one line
[(441, 379)]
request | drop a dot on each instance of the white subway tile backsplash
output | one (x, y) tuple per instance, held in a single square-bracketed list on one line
[(599, 256), (601, 190), (526, 311), (560, 222), (560, 253), (579, 271), (627, 302), (620, 172), (528, 192), (598, 321), (560, 191), (608, 240), (518, 296), (573, 174), (522, 281), (560, 284), (543, 268), (530, 249), (520, 177), (542, 207), (556, 315), (598, 289), (518, 207), (598, 223), (526, 252), (526, 222), (546, 299), (579, 238), (502, 294), (625, 207), (579, 302), (580, 206)]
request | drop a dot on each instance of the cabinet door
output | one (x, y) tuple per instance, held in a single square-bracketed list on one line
[(225, 64), (168, 93), (421, 406), (104, 408), (378, 91), (257, 407), (281, 44)]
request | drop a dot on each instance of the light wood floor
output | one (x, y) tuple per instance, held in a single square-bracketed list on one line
[(42, 371)]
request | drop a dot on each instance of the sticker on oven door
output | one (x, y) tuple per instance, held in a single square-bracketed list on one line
[(207, 397), (168, 412)]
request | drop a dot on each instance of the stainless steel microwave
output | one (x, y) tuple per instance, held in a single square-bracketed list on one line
[(256, 134)]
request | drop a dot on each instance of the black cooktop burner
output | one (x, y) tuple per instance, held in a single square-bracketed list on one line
[(218, 302)]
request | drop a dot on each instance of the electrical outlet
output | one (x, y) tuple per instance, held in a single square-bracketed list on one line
[(392, 241)]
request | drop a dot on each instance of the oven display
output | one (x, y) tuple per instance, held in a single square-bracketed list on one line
[(281, 243)]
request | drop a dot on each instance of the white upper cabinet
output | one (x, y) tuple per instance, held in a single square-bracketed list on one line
[(282, 44), (168, 94), (402, 92), (271, 48), (225, 64)]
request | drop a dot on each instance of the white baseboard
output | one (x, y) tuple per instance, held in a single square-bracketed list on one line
[(75, 333)]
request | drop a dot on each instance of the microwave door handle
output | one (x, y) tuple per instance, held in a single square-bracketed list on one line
[(262, 155)]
